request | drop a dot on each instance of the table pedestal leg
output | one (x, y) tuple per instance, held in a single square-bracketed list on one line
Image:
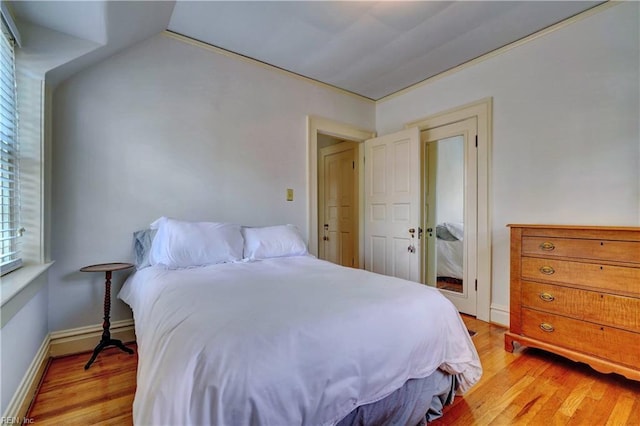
[(104, 344), (106, 340)]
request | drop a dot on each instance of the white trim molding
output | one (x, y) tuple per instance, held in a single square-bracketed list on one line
[(83, 339), (543, 32), (483, 111), (550, 29), (499, 315), (238, 56)]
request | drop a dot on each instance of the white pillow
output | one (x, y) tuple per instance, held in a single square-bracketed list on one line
[(456, 229), (180, 244), (273, 241)]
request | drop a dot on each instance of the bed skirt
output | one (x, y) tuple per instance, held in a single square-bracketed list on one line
[(417, 402)]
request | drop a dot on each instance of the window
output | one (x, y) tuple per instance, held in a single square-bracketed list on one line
[(9, 185)]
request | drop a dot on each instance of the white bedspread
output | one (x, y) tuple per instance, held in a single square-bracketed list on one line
[(288, 341), (450, 258)]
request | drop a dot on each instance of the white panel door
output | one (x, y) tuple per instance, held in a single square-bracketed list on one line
[(392, 204), (440, 255)]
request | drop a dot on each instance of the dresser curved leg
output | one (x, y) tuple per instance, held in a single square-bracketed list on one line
[(509, 345)]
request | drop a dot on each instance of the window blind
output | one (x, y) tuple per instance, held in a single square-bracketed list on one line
[(9, 171)]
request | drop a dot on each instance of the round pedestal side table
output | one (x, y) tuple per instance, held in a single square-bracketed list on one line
[(106, 340)]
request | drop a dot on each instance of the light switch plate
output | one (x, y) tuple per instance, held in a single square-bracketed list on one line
[(289, 194)]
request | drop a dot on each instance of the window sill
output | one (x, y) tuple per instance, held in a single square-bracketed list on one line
[(18, 287)]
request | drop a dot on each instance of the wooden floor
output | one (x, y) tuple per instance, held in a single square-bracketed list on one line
[(526, 388), (101, 395), (533, 387), (451, 284)]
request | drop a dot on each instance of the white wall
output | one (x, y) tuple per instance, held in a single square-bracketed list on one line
[(24, 333), (566, 138), (20, 340), (169, 128)]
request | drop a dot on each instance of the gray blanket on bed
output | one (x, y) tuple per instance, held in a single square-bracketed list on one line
[(417, 402)]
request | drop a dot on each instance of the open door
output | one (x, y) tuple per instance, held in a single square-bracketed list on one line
[(450, 212), (392, 204)]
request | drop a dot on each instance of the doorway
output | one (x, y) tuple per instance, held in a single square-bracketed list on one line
[(338, 213), (481, 111), (319, 129), (450, 188)]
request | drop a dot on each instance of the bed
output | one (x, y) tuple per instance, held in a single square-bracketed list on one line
[(278, 337), (450, 250)]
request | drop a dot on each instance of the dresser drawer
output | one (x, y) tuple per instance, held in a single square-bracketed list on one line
[(605, 278), (605, 342), (619, 251), (601, 308)]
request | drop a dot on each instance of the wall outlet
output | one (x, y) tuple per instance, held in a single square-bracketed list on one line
[(289, 194)]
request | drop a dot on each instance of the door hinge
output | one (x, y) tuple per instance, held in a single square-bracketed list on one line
[(353, 165), (476, 141), (353, 261), (476, 284)]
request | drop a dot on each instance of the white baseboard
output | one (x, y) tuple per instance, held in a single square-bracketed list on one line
[(84, 339), (19, 404), (500, 315)]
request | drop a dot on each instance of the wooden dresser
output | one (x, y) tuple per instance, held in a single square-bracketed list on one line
[(575, 291)]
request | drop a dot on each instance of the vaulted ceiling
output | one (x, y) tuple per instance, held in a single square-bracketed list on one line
[(371, 48)]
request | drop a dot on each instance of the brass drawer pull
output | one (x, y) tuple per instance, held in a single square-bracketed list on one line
[(547, 246), (547, 328), (547, 297), (547, 270)]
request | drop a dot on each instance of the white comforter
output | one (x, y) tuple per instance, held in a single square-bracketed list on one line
[(288, 341), (450, 258)]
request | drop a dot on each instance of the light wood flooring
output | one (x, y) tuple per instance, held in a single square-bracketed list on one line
[(529, 387)]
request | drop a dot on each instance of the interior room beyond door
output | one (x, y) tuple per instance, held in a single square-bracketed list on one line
[(338, 193)]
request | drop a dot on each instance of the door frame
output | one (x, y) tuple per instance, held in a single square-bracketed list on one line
[(428, 167), (315, 125), (483, 111), (466, 301)]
